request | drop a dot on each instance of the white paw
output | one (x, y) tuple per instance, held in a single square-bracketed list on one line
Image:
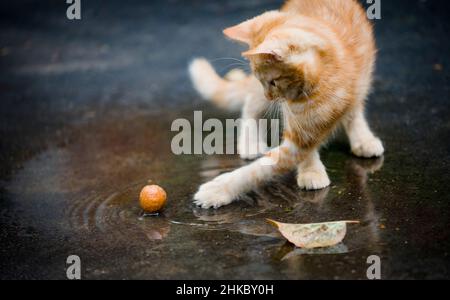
[(215, 193), (313, 180), (251, 150), (369, 148)]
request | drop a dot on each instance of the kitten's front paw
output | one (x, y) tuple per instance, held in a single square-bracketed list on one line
[(252, 151), (369, 148), (313, 180), (215, 193)]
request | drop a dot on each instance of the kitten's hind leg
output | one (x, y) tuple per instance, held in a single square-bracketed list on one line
[(311, 173), (362, 141)]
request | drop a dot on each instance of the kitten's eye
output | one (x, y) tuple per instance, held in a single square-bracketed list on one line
[(272, 83)]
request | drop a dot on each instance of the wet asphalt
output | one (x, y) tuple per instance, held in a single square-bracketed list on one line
[(85, 115)]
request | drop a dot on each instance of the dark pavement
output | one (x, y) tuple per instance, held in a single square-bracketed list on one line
[(85, 114)]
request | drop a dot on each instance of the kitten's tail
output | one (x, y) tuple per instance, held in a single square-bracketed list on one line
[(228, 93)]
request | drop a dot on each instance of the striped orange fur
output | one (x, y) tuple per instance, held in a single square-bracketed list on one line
[(314, 58)]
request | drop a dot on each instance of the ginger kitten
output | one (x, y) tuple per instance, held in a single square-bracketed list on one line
[(314, 58)]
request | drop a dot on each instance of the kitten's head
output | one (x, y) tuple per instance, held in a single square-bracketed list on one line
[(287, 58)]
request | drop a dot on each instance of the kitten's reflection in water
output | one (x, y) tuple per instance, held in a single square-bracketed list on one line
[(367, 234), (358, 171), (283, 199)]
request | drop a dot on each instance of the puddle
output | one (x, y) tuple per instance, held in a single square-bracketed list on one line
[(81, 197)]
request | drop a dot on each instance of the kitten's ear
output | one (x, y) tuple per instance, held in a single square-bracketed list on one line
[(267, 48), (240, 33), (245, 31)]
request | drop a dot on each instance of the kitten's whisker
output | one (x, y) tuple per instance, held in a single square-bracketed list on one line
[(230, 67), (229, 58), (235, 64), (268, 111)]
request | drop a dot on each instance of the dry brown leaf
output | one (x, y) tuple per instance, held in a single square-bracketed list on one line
[(313, 235)]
